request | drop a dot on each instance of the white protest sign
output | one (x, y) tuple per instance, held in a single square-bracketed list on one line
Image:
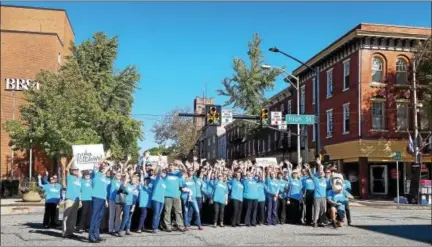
[(263, 162), (153, 159), (87, 156), (275, 117)]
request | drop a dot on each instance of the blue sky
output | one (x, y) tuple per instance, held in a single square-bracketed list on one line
[(179, 47)]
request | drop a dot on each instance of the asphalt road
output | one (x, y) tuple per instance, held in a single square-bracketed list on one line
[(376, 227)]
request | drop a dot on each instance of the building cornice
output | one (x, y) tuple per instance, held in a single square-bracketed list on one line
[(31, 32)]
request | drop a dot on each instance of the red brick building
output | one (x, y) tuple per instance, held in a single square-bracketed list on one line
[(32, 39), (365, 109)]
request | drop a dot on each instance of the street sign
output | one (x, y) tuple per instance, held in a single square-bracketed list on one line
[(397, 156), (282, 126), (227, 117), (275, 117), (299, 119)]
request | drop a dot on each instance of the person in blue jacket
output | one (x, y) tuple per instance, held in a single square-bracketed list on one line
[(236, 196), (52, 198), (86, 201), (250, 196), (295, 196), (145, 195), (272, 188), (220, 199), (282, 199)]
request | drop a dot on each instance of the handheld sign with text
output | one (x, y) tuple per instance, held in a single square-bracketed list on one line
[(153, 159), (87, 156), (263, 162)]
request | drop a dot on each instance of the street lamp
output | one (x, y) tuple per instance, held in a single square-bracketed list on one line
[(297, 87), (317, 115)]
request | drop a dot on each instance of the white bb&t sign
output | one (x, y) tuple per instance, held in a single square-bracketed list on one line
[(16, 84), (87, 156)]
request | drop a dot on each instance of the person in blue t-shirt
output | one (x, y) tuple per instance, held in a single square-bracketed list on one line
[(145, 195), (295, 195), (347, 187), (261, 198), (73, 197), (52, 198), (174, 181), (99, 195), (132, 192), (250, 196), (320, 192), (190, 205), (114, 208), (86, 201), (272, 188), (236, 196), (158, 195), (220, 199), (308, 192), (337, 200), (282, 198)]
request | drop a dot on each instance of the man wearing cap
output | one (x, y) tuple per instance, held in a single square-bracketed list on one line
[(72, 183)]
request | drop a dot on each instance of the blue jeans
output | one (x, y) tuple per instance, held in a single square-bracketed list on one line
[(98, 210), (191, 207), (157, 211), (272, 212), (142, 218), (126, 218), (200, 202)]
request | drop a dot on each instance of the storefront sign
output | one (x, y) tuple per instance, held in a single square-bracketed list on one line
[(16, 84)]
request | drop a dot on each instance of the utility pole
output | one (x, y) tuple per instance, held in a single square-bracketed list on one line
[(298, 125)]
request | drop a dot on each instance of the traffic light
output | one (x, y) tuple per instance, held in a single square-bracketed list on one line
[(213, 116), (265, 117)]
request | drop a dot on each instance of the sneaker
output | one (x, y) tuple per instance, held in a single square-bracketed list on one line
[(155, 231), (201, 228), (334, 224), (186, 228), (128, 232), (168, 230), (46, 227), (100, 239), (80, 231), (214, 225), (139, 231), (121, 234), (222, 225), (349, 223), (182, 229)]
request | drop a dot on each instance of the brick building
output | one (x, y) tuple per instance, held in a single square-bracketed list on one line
[(365, 110), (366, 104), (32, 39)]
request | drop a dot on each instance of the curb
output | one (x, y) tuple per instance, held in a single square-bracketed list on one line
[(21, 210), (400, 207)]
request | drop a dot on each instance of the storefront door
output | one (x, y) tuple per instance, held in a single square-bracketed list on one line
[(378, 179)]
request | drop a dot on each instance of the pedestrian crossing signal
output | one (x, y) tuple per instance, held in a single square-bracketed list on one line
[(213, 116), (265, 117)]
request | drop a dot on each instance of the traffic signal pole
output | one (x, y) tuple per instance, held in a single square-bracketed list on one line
[(248, 117)]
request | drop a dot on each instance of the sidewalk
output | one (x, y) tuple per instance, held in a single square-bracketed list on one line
[(17, 206), (389, 205)]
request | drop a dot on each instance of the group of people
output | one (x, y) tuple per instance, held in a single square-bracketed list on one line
[(178, 192)]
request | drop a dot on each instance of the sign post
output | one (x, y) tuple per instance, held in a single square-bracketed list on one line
[(397, 156)]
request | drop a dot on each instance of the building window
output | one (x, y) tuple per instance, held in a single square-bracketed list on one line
[(378, 115), (208, 155), (401, 71), (269, 143), (402, 116), (276, 136), (289, 139), (259, 146), (289, 108), (302, 99), (425, 116), (346, 75), (377, 70), (263, 145), (313, 91), (346, 118), (329, 83), (329, 123), (302, 133)]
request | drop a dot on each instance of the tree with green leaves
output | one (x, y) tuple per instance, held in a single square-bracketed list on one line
[(86, 102), (245, 89), (177, 132)]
